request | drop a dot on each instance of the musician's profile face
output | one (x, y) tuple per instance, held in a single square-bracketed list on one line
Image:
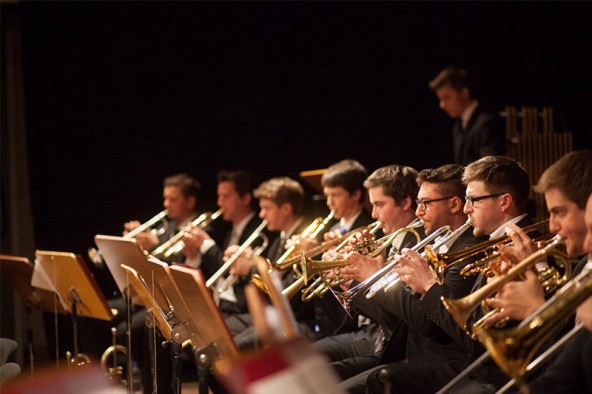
[(275, 215), (567, 220), (344, 203), (433, 214), (178, 206), (486, 214), (386, 210), (231, 201)]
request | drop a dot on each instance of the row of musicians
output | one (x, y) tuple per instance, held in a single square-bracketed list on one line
[(407, 329)]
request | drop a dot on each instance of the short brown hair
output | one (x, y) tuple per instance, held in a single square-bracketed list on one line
[(500, 174), (397, 181), (283, 190), (187, 184), (453, 76), (348, 174), (571, 175), (448, 179)]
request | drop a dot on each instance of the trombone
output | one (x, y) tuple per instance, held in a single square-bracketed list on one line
[(231, 279), (513, 348), (175, 244), (439, 263), (461, 309), (95, 255)]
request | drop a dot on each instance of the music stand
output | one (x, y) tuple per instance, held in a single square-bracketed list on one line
[(77, 289), (212, 341), (19, 271)]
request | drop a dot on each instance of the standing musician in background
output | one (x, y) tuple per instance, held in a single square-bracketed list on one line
[(343, 185), (477, 132), (392, 191), (496, 193), (235, 198), (281, 204)]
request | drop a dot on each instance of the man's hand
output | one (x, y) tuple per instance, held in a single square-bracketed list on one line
[(414, 271)]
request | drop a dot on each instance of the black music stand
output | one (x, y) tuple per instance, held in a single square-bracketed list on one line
[(75, 286), (212, 341)]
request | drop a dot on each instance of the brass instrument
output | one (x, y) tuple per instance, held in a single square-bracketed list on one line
[(115, 371), (320, 287), (392, 278), (258, 233), (345, 297), (441, 262), (286, 260), (312, 267), (175, 244), (461, 309), (95, 255), (513, 348)]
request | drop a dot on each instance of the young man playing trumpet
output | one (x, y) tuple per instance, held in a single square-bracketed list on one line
[(281, 203), (392, 191)]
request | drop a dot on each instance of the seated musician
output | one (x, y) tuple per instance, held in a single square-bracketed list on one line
[(235, 198), (392, 190), (439, 203), (496, 193), (343, 185), (571, 371), (281, 203)]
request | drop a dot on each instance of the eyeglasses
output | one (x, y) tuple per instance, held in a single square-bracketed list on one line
[(472, 200), (423, 204)]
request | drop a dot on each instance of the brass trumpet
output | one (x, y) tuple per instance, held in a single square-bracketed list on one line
[(115, 371), (258, 233), (513, 348), (320, 286), (95, 255), (441, 262), (461, 309), (176, 244), (287, 260)]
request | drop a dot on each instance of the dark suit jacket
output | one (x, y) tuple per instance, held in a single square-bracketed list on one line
[(425, 337), (483, 136), (212, 261), (330, 317)]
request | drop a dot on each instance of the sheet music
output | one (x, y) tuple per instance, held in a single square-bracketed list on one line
[(40, 279)]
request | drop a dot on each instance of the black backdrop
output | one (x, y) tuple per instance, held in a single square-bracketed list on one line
[(121, 94)]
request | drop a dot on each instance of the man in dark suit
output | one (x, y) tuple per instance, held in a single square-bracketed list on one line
[(476, 132), (439, 203), (392, 191), (343, 185), (235, 198), (281, 203), (496, 192)]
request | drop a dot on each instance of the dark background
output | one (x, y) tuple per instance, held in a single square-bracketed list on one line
[(121, 94)]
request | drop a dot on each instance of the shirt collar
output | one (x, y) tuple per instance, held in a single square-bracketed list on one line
[(501, 230)]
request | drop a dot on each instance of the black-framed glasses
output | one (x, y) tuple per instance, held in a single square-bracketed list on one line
[(423, 204), (472, 200)]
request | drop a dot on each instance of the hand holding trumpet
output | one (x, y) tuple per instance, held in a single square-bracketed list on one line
[(147, 239), (414, 271)]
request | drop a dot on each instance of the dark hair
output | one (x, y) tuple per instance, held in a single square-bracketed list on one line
[(396, 180), (571, 175), (187, 184), (348, 174), (244, 181), (452, 76), (501, 174), (447, 177), (283, 190)]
